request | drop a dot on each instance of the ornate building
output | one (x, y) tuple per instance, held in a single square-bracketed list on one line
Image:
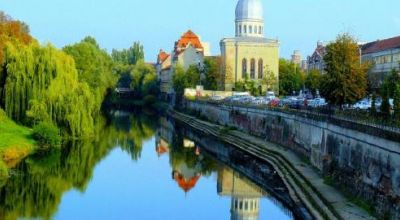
[(249, 53), (316, 60), (188, 50)]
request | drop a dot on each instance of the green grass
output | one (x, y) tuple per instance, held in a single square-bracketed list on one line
[(16, 141)]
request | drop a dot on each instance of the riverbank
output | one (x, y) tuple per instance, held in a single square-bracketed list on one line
[(304, 183), (16, 142)]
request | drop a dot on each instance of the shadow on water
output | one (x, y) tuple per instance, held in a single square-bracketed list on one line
[(38, 184)]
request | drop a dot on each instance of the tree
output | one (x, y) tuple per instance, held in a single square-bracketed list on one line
[(290, 77), (129, 56), (392, 80), (385, 106), (270, 80), (212, 73), (144, 79), (373, 105), (193, 76), (396, 102), (179, 80), (313, 80), (247, 85), (345, 81)]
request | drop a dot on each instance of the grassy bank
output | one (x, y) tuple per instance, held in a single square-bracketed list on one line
[(16, 141)]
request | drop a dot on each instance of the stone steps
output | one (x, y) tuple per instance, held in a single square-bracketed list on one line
[(300, 188)]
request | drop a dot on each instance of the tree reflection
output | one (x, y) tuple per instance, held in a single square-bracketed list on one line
[(38, 183)]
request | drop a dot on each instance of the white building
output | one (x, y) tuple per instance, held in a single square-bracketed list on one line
[(384, 55)]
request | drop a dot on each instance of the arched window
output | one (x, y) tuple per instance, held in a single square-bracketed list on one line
[(240, 29), (245, 29), (260, 68), (250, 29), (244, 68), (253, 69), (259, 30)]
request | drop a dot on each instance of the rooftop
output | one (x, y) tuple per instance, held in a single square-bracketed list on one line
[(381, 45)]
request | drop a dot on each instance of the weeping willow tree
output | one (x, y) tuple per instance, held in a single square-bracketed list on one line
[(42, 85)]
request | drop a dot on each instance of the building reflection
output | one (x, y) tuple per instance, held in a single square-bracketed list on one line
[(246, 196)]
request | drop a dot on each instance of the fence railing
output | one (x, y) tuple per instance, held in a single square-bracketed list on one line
[(354, 119)]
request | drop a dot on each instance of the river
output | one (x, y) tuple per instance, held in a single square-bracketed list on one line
[(142, 166)]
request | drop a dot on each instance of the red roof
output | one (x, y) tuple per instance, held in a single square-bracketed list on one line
[(381, 45), (189, 37), (186, 184), (162, 56)]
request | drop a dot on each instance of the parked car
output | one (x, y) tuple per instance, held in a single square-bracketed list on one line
[(217, 98), (274, 103), (260, 101), (270, 95), (364, 104), (318, 102)]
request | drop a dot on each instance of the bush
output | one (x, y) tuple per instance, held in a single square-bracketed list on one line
[(47, 135), (3, 171), (149, 100)]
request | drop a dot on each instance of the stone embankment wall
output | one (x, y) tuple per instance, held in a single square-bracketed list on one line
[(364, 162)]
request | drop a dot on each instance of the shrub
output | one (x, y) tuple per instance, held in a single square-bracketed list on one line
[(149, 100), (47, 135), (3, 171)]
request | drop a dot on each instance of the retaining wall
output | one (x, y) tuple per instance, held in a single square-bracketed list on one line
[(364, 164)]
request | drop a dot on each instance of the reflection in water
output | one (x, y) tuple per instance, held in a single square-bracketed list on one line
[(38, 184), (245, 195), (36, 188)]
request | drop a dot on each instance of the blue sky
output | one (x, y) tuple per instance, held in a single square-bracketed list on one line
[(298, 24)]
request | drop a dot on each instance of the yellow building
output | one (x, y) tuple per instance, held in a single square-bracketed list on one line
[(249, 53)]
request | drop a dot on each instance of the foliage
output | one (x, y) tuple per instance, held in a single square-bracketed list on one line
[(42, 84), (129, 56), (12, 31), (345, 81), (291, 78), (47, 135), (396, 102), (144, 79), (3, 172), (247, 85), (212, 73), (16, 141), (373, 111), (193, 76), (385, 106), (94, 66), (313, 80), (179, 79), (392, 81), (270, 80)]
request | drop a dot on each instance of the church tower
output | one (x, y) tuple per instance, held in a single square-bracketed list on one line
[(249, 54)]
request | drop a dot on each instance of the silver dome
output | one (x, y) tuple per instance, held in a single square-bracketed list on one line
[(249, 10)]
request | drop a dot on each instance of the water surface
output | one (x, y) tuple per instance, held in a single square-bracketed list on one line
[(138, 167)]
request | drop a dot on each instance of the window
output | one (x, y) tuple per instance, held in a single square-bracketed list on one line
[(244, 68), (253, 69), (245, 29), (260, 68), (396, 58), (240, 29), (250, 29), (259, 30)]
